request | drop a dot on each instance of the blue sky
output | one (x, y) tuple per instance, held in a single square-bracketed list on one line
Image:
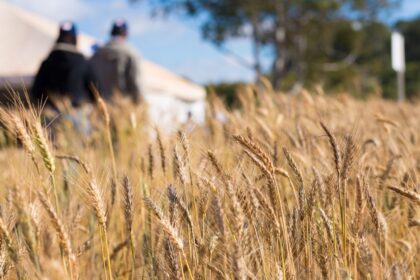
[(174, 43)]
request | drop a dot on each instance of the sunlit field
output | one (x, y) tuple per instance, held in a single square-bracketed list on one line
[(280, 187)]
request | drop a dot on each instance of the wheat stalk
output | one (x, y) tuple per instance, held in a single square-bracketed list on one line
[(103, 108), (341, 191), (46, 154), (77, 160)]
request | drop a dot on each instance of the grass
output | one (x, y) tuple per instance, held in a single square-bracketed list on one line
[(305, 187)]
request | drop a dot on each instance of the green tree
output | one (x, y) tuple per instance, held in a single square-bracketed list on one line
[(302, 34)]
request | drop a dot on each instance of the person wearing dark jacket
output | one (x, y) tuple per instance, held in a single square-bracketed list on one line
[(64, 73)]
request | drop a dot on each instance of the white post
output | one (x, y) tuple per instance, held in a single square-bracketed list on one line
[(398, 62)]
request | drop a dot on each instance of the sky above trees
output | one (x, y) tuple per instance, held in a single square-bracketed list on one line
[(174, 43)]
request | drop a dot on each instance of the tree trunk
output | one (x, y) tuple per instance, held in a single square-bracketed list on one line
[(279, 64), (301, 48), (256, 47)]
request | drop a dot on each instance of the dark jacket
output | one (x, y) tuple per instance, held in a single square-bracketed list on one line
[(66, 72)]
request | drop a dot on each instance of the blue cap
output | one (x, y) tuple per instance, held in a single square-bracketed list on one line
[(119, 27), (68, 28), (95, 46)]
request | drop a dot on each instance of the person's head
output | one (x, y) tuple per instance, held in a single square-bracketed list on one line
[(119, 28), (67, 33)]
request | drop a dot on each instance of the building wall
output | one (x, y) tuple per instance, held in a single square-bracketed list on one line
[(168, 112)]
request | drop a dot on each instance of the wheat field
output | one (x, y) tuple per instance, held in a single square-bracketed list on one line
[(281, 187)]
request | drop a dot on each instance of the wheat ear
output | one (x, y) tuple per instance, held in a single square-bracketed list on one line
[(24, 137), (64, 240), (42, 144), (298, 174), (96, 201), (7, 238), (414, 197), (161, 150), (128, 215), (170, 231)]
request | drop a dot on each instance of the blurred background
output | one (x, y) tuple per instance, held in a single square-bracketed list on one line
[(342, 45)]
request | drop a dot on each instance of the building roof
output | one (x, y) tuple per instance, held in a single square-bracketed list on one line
[(27, 39)]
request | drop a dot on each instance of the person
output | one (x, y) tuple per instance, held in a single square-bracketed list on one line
[(189, 123), (117, 65), (64, 73)]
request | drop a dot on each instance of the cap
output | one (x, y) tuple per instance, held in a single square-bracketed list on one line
[(68, 28), (119, 27)]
